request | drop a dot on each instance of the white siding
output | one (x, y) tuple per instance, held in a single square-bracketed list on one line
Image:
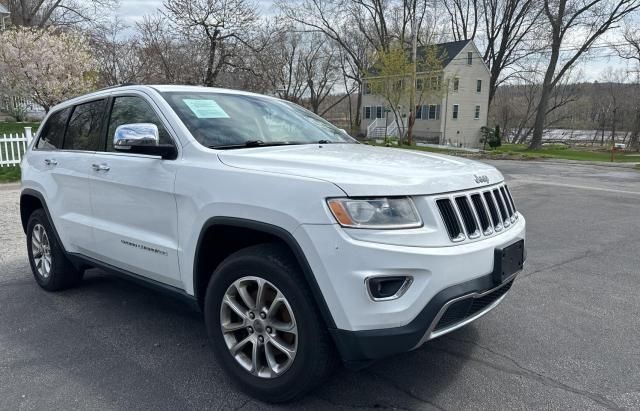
[(465, 130)]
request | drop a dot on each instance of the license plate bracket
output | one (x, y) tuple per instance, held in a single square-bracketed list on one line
[(508, 260)]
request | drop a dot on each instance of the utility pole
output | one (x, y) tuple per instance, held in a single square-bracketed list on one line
[(446, 112), (414, 69)]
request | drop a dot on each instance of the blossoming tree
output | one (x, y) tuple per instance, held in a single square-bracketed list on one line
[(45, 66)]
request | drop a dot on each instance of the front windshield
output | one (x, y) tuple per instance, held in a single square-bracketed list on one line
[(219, 120)]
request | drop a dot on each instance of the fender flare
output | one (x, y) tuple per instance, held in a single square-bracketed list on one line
[(34, 193), (281, 234)]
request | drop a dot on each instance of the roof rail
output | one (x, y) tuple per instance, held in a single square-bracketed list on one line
[(118, 85)]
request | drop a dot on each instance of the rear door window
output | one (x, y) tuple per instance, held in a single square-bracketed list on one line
[(85, 125), (53, 130)]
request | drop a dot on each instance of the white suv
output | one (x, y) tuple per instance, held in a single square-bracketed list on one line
[(299, 244)]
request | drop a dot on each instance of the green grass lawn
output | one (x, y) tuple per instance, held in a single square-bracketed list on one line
[(563, 152), (520, 151), (12, 128), (9, 174)]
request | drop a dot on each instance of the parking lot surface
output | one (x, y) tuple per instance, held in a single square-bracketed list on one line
[(567, 335)]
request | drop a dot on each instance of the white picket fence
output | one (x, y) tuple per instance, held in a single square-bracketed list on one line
[(13, 147)]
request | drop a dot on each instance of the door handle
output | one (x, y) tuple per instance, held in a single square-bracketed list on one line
[(101, 167), (50, 162)]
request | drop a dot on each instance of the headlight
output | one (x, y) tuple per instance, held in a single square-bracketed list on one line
[(380, 213)]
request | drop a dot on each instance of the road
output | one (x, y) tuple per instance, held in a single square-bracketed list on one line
[(567, 336)]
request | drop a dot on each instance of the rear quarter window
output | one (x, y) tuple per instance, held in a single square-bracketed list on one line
[(52, 132)]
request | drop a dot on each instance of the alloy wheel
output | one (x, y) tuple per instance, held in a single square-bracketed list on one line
[(259, 327), (41, 251)]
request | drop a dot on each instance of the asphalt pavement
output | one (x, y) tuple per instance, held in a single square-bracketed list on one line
[(566, 337)]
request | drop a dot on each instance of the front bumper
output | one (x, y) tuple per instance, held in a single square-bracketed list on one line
[(446, 280), (433, 321)]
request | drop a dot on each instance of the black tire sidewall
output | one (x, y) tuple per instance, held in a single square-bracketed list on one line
[(62, 274), (308, 323), (39, 217)]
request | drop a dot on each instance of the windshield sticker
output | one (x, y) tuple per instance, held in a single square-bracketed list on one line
[(205, 108)]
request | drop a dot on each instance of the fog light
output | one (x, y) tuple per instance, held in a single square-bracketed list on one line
[(387, 288)]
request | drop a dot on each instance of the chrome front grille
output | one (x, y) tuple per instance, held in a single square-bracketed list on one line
[(477, 213)]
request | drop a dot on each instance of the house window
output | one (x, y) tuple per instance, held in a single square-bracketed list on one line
[(419, 84), (455, 111), (456, 84), (470, 58), (428, 112), (478, 86), (367, 88), (435, 83), (373, 112), (476, 114), (434, 111)]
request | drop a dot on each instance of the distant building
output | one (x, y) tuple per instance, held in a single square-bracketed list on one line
[(456, 117), (4, 16)]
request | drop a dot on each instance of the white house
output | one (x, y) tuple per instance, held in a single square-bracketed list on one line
[(4, 16), (455, 116)]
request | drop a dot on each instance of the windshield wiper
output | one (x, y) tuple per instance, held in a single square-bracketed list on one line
[(252, 143), (324, 142)]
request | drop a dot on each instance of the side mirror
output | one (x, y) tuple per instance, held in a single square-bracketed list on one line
[(142, 138)]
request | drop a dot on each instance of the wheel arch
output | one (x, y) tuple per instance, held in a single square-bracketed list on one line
[(31, 200), (239, 233)]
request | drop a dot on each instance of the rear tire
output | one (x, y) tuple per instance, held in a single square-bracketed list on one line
[(50, 266), (257, 323)]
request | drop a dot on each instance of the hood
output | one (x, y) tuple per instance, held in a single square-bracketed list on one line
[(362, 170)]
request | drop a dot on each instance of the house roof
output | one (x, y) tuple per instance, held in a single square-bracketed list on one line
[(4, 10), (447, 51)]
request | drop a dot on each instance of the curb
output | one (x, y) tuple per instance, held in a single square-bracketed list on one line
[(9, 186)]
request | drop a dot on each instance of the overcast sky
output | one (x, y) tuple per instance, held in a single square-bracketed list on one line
[(131, 11)]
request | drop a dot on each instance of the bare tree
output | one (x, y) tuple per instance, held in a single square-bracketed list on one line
[(320, 70), (630, 48), (280, 64), (464, 17), (118, 56), (222, 23), (516, 103), (582, 21), (511, 28), (371, 18), (340, 22), (43, 13)]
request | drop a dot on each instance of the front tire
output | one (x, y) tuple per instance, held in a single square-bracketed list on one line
[(265, 329), (49, 264)]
